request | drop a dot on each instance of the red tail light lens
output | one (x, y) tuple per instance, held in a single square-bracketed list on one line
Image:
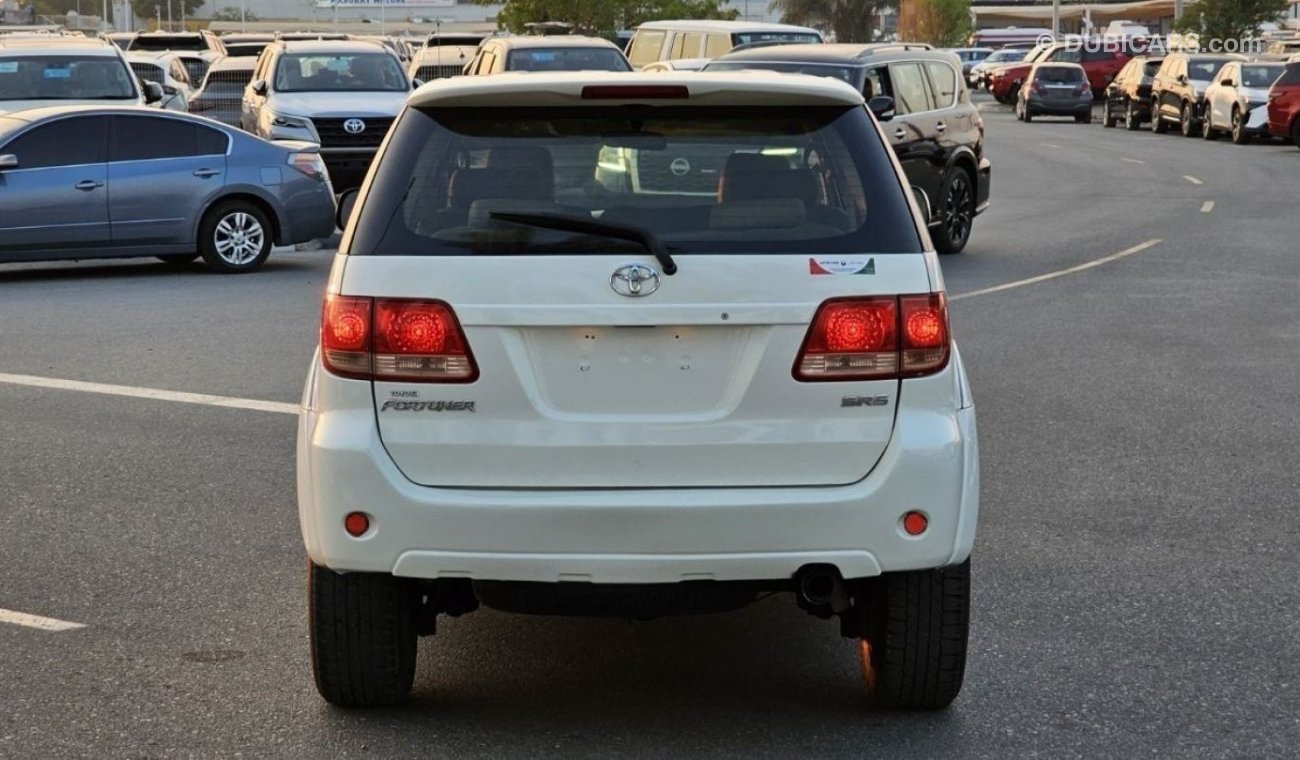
[(926, 340), (851, 339), (395, 340), (310, 164), (876, 338), (421, 341), (345, 336)]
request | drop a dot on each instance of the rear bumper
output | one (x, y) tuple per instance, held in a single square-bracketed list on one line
[(1039, 107), (635, 536), (308, 212)]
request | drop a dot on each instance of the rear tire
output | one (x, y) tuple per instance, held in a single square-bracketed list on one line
[(363, 636), (1295, 133), (1107, 120), (1085, 118), (1207, 127), (1187, 121), (958, 212), (1239, 134), (1131, 121), (235, 237), (915, 627)]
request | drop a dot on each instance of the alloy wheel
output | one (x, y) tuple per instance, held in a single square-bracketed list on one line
[(238, 238)]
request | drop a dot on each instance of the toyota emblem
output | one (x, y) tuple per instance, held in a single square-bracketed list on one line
[(354, 126), (634, 280)]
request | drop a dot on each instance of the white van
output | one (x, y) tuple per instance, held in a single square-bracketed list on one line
[(673, 40), (56, 70)]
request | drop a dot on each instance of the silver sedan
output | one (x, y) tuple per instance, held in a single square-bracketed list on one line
[(94, 182)]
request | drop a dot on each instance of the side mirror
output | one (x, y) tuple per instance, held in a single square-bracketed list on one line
[(923, 201), (347, 201), (1182, 79), (260, 88), (153, 92), (882, 107), (8, 161), (417, 83)]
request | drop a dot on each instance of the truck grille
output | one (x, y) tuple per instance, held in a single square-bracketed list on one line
[(430, 73), (333, 135), (699, 171)]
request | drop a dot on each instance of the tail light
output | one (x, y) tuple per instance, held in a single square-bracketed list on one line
[(310, 164), (1036, 86), (876, 338), (1082, 87), (396, 340)]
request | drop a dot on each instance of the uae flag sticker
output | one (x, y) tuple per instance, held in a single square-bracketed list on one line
[(841, 266)]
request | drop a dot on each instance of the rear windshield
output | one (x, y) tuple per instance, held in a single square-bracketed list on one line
[(185, 42), (749, 38), (227, 80), (245, 49), (1059, 74), (567, 59), (1204, 69), (1007, 55), (1259, 76), (831, 71), (702, 180), (65, 77)]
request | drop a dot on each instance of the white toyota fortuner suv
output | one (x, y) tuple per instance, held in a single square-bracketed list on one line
[(548, 394)]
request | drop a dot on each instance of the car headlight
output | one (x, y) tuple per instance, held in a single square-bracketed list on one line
[(294, 122)]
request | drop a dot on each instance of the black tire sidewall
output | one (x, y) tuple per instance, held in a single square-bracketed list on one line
[(943, 244), (207, 243)]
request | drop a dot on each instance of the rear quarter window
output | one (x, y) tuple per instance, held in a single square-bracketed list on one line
[(732, 180)]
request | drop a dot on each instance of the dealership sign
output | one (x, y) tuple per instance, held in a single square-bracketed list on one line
[(386, 3)]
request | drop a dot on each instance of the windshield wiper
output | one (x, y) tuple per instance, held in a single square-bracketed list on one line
[(588, 226)]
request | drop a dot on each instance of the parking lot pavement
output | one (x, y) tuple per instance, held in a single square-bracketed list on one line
[(1134, 573)]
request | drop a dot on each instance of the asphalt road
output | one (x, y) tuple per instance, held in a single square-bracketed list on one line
[(1135, 573)]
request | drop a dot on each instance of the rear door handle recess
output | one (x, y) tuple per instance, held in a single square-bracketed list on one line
[(205, 173), (900, 133), (940, 127), (88, 184)]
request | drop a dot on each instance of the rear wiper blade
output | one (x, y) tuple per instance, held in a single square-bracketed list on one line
[(588, 226)]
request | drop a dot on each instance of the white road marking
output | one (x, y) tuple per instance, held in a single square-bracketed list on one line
[(1053, 145), (1207, 207), (1192, 179), (37, 621), (155, 394), (1133, 160), (1060, 273)]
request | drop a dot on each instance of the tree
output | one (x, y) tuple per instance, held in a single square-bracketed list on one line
[(603, 16), (1228, 19), (150, 8), (942, 23), (231, 13), (848, 20)]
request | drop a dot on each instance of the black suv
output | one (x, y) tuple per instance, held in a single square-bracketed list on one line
[(934, 129), (1128, 98), (1178, 90)]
